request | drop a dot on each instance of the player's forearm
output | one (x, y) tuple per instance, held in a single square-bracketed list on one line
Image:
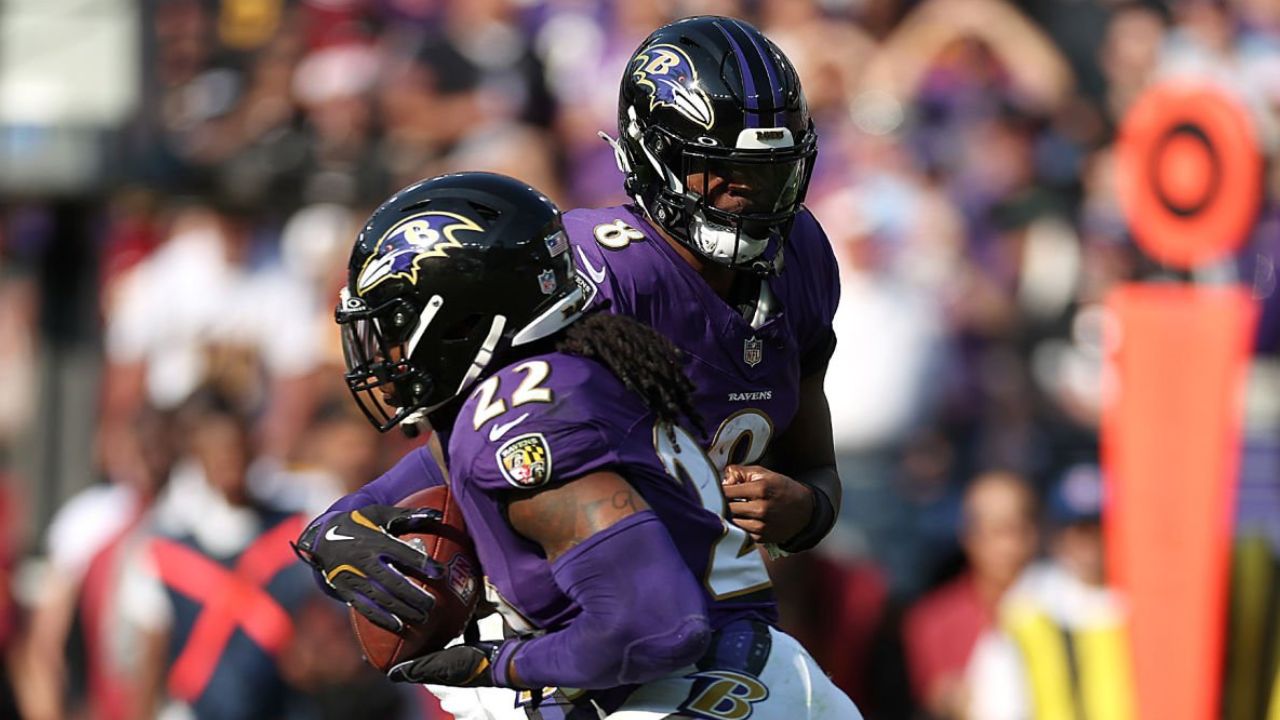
[(825, 483), (416, 471), (642, 614)]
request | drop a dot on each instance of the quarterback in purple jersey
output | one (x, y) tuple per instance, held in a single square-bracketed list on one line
[(594, 512), (718, 254)]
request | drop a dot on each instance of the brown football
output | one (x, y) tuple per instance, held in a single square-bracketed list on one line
[(456, 593)]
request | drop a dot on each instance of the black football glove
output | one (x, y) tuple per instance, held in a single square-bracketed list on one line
[(466, 665), (360, 558)]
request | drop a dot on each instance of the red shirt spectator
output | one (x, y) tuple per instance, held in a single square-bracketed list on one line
[(999, 536), (939, 633)]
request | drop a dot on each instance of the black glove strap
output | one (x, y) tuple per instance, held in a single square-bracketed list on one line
[(825, 484), (466, 665)]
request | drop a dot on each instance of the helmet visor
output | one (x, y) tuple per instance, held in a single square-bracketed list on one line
[(747, 187)]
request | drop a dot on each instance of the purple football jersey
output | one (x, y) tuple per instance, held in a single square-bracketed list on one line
[(746, 374), (555, 417)]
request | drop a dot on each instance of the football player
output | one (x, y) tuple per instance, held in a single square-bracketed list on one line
[(595, 513), (718, 254)]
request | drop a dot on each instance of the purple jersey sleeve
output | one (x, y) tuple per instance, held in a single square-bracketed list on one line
[(417, 470), (641, 614), (556, 437), (603, 286), (812, 301)]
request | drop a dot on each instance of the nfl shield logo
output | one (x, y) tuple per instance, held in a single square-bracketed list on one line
[(462, 577), (547, 281), (753, 351)]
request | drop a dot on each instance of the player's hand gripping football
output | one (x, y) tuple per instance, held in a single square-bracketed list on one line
[(366, 565), (468, 664), (771, 507)]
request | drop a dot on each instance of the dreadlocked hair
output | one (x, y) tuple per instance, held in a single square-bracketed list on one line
[(646, 362)]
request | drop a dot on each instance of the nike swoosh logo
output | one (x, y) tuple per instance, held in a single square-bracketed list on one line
[(497, 431), (333, 534), (597, 275)]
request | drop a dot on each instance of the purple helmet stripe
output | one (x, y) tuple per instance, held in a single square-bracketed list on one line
[(752, 99), (774, 85)]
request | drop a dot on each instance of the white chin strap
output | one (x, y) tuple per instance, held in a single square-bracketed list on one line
[(479, 362), (723, 244), (556, 317)]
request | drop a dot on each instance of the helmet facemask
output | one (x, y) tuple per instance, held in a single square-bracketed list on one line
[(767, 183), (376, 348)]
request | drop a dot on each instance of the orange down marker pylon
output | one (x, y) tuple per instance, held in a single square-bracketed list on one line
[(1190, 185), (1171, 444)]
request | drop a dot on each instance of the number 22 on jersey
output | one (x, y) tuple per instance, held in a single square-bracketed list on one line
[(529, 390)]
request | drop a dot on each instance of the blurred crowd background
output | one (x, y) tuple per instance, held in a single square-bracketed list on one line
[(180, 181)]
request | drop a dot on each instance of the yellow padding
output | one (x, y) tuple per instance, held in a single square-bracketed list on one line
[(1044, 655), (1106, 683), (1252, 573)]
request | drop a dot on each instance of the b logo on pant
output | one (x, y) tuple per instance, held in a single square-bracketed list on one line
[(724, 695)]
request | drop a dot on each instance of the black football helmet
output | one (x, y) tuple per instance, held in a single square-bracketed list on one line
[(445, 276), (706, 103)]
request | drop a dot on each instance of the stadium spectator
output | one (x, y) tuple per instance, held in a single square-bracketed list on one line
[(214, 589), (73, 605), (895, 240), (333, 85), (336, 456), (324, 664), (110, 644), (1059, 648), (999, 536), (192, 311), (19, 312), (583, 75)]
